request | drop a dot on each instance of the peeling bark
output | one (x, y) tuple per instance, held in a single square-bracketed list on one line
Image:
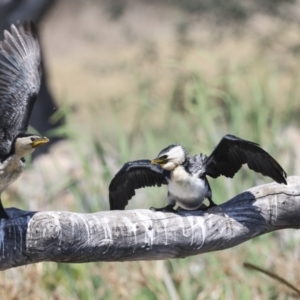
[(30, 237)]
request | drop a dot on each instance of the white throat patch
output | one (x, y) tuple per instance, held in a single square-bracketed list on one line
[(176, 157)]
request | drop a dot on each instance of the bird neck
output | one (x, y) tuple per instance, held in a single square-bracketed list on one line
[(22, 146), (10, 170), (179, 174)]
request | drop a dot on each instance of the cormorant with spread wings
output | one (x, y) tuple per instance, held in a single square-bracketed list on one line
[(186, 176)]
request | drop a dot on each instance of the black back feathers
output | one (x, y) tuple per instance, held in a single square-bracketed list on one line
[(20, 77)]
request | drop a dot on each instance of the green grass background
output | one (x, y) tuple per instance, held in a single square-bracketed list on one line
[(254, 98)]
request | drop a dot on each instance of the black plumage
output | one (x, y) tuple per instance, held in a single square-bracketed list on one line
[(132, 176), (232, 152), (20, 77), (182, 171)]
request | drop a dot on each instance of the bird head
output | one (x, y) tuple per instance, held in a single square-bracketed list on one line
[(170, 157), (26, 144)]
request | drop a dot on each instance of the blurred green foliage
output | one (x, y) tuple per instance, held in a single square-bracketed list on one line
[(197, 115), (254, 101)]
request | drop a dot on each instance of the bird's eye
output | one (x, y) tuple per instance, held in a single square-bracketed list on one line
[(163, 157), (32, 139)]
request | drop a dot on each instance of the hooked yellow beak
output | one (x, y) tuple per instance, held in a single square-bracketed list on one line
[(39, 142), (159, 161)]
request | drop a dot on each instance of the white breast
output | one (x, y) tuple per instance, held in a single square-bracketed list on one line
[(10, 170), (187, 190)]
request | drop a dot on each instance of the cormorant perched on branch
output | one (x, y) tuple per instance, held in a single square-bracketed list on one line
[(20, 78), (186, 176)]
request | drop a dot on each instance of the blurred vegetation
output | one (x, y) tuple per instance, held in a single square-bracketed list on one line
[(256, 100), (197, 115), (222, 11), (231, 10)]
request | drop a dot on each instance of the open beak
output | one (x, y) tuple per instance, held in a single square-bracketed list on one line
[(39, 142), (159, 161)]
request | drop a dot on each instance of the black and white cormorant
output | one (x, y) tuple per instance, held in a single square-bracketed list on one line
[(20, 78), (186, 176)]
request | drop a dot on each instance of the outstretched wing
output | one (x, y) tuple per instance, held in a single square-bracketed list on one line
[(134, 175), (232, 152), (20, 77)]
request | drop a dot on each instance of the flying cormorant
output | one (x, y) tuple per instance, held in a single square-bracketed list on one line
[(186, 176), (20, 77)]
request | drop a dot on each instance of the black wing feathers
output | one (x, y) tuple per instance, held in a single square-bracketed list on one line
[(20, 77), (232, 152), (134, 175)]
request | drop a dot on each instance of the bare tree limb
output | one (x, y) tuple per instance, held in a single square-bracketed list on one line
[(30, 237)]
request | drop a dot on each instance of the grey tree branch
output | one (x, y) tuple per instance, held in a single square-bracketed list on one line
[(30, 237)]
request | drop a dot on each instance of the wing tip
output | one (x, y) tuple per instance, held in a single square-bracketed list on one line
[(28, 27), (114, 205), (284, 177), (21, 38)]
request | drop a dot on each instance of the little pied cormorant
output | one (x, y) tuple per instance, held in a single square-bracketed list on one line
[(20, 78), (186, 176)]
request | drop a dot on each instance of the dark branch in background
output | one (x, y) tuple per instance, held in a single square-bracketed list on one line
[(272, 275), (30, 237)]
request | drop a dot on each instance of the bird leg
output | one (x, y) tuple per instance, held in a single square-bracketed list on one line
[(168, 208), (3, 214)]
